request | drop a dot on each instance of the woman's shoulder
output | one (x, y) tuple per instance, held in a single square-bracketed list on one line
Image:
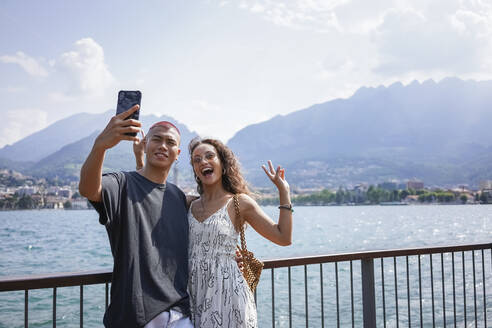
[(190, 199), (246, 202)]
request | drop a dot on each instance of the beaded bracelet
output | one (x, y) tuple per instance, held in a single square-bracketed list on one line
[(286, 207)]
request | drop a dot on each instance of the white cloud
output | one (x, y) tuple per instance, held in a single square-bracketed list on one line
[(212, 120), (29, 64), (11, 89), (87, 67), (410, 40), (14, 126), (362, 16), (403, 38), (317, 15), (201, 115), (141, 77), (140, 83), (333, 68), (58, 97), (257, 8)]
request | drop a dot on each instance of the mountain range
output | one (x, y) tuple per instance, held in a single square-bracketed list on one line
[(439, 133), (436, 132)]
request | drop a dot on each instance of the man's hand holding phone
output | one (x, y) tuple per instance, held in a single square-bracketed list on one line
[(123, 126), (117, 130)]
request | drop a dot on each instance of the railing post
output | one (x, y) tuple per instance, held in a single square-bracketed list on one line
[(368, 294), (26, 308)]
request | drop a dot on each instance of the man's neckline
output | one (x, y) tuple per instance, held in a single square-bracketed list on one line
[(159, 185)]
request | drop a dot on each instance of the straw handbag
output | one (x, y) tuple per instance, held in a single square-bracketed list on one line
[(251, 265)]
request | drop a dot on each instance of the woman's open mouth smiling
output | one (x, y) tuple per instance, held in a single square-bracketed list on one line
[(208, 171)]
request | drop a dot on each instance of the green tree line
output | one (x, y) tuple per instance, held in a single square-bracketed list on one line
[(373, 195)]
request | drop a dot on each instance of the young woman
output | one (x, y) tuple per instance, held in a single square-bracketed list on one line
[(220, 296)]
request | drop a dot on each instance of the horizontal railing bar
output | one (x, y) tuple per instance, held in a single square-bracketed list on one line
[(68, 279), (62, 279), (298, 261)]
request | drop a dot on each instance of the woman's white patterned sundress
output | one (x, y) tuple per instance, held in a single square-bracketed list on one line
[(220, 297)]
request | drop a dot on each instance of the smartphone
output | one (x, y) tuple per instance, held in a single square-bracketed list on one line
[(126, 100)]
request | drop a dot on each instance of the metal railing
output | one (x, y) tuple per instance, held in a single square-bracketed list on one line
[(54, 281), (370, 294), (372, 262)]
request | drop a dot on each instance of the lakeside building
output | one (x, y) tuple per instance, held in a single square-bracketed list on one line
[(392, 185), (485, 184), (79, 204), (415, 185), (39, 199), (52, 190), (411, 199), (360, 189), (389, 185), (54, 202), (487, 193), (6, 192), (65, 192), (26, 190)]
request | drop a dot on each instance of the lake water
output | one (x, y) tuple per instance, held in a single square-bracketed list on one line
[(49, 241)]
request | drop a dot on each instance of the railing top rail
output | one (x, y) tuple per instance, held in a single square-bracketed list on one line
[(305, 260), (60, 279), (102, 276)]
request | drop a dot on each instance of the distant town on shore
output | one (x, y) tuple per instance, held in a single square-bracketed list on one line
[(19, 192)]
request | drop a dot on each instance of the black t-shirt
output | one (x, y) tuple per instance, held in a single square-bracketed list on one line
[(148, 232)]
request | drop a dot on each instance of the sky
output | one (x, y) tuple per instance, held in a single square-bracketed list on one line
[(218, 66)]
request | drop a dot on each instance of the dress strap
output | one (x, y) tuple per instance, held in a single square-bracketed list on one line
[(227, 203), (191, 204), (226, 213)]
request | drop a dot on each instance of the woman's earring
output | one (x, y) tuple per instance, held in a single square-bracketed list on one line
[(197, 179), (223, 171)]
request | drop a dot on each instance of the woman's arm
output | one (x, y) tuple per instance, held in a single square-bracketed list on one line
[(280, 233), (139, 151)]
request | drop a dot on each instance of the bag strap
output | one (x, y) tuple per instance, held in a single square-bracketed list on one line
[(241, 225)]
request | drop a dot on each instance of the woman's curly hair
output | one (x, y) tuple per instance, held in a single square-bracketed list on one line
[(232, 179)]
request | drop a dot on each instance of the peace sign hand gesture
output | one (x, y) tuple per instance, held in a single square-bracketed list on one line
[(277, 176)]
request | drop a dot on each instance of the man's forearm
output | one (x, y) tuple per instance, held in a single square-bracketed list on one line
[(91, 175)]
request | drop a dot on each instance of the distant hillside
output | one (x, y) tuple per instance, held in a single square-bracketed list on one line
[(437, 132), (47, 141), (18, 166), (65, 161)]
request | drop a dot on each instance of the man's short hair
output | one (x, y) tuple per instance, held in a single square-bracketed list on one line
[(165, 124)]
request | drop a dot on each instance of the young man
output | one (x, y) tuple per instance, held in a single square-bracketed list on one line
[(146, 220)]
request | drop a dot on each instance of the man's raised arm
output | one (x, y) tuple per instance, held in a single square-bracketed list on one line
[(91, 172)]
